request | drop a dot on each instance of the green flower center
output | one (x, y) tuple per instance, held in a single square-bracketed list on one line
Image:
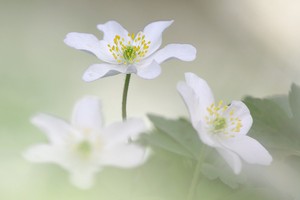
[(84, 148), (129, 54), (219, 124)]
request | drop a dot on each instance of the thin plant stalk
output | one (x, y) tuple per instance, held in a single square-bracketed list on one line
[(196, 174), (124, 99)]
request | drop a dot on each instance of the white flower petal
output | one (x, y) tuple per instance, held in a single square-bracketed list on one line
[(204, 136), (232, 159), (202, 92), (249, 150), (56, 129), (97, 71), (83, 180), (191, 101), (43, 153), (87, 114), (84, 41), (241, 112), (105, 54), (112, 28), (125, 156), (183, 52), (120, 132), (153, 33), (149, 71)]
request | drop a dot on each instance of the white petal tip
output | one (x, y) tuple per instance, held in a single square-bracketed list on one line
[(90, 76), (267, 160)]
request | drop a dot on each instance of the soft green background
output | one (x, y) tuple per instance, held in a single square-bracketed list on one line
[(244, 48)]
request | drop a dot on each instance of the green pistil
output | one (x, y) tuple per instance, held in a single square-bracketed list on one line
[(129, 54), (219, 124), (84, 148)]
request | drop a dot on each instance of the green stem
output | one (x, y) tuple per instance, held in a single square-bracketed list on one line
[(124, 100), (196, 174)]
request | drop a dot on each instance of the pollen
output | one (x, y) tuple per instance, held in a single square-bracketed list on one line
[(129, 50), (220, 120)]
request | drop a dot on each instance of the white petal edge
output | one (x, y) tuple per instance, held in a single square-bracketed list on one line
[(191, 101), (124, 156), (43, 153), (88, 42), (184, 52), (153, 33), (86, 114), (231, 159), (202, 92), (242, 112), (249, 150), (121, 132), (97, 71), (149, 71), (112, 28), (56, 129)]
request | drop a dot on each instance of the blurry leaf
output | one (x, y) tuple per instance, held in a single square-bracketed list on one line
[(283, 102), (179, 130), (224, 173), (177, 136), (158, 139), (211, 190), (272, 126), (294, 162), (294, 99), (165, 176)]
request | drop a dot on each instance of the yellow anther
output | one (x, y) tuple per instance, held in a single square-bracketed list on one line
[(219, 122), (131, 51), (220, 103)]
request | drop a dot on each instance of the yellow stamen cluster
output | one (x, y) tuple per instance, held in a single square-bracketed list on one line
[(131, 50), (219, 123)]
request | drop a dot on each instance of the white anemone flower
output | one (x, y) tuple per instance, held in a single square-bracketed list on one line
[(220, 126), (83, 147), (124, 52)]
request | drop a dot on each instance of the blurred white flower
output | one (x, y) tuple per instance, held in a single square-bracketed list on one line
[(84, 146), (126, 53), (220, 126)]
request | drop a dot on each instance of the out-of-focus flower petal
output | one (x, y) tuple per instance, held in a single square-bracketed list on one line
[(86, 115), (232, 159), (119, 132), (43, 153), (55, 128), (129, 155), (249, 150)]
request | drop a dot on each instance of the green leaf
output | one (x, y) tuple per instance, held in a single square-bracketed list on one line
[(283, 102), (181, 131), (224, 173), (159, 139), (294, 99), (272, 126)]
